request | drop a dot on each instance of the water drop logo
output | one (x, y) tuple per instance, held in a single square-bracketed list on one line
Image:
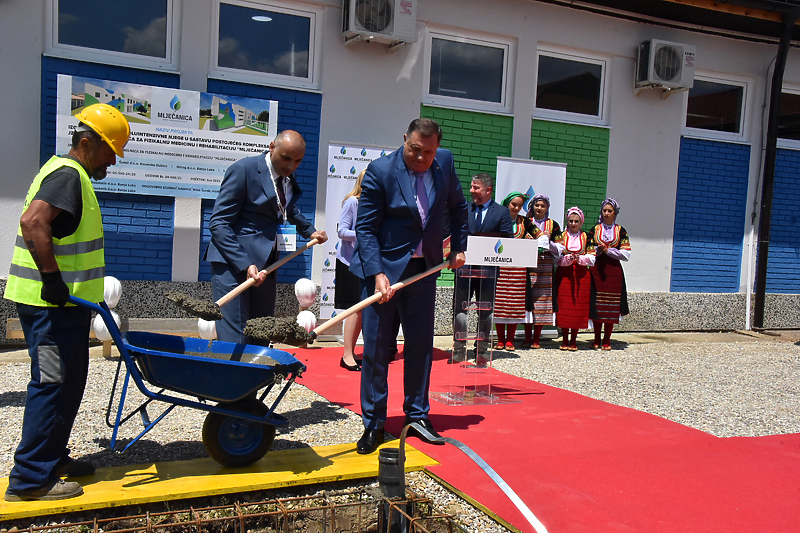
[(498, 248), (383, 153), (343, 150), (175, 103), (325, 297), (332, 169), (327, 262), (286, 239), (363, 152), (333, 314), (352, 170), (337, 246)]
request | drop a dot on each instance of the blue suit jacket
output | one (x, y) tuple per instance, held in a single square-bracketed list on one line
[(246, 215), (388, 224), (496, 221)]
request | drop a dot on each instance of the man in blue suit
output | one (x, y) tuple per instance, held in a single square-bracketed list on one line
[(404, 198), (487, 218), (257, 196)]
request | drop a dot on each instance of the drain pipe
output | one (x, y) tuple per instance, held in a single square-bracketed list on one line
[(516, 500), (789, 20)]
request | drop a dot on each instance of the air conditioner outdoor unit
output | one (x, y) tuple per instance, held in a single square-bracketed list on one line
[(390, 22), (665, 64)]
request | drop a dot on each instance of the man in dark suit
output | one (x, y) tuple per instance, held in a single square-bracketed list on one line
[(257, 196), (403, 200), (487, 218)]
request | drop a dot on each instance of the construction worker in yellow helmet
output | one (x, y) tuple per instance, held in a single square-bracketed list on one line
[(58, 253)]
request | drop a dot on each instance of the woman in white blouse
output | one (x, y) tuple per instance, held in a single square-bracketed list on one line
[(573, 281), (609, 298), (347, 284)]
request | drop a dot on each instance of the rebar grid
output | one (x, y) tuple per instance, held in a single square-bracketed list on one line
[(346, 511)]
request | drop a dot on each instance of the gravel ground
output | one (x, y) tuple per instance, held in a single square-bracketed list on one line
[(746, 388), (732, 389)]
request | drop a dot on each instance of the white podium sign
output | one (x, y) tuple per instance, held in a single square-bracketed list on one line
[(502, 251)]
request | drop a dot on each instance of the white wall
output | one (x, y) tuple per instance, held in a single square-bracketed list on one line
[(20, 62)]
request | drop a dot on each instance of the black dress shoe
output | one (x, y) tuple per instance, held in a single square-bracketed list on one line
[(353, 368), (427, 426), (369, 441)]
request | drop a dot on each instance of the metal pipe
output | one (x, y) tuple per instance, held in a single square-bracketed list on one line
[(768, 183)]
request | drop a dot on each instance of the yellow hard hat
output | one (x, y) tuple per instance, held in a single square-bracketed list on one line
[(108, 123)]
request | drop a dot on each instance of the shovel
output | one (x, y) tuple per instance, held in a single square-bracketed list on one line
[(211, 311), (287, 331)]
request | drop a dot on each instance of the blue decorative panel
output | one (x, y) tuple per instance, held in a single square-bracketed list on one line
[(299, 111), (709, 216), (783, 265)]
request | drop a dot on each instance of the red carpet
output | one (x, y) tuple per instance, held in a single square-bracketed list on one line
[(582, 465)]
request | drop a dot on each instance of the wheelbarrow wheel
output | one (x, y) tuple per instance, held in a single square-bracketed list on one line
[(236, 442)]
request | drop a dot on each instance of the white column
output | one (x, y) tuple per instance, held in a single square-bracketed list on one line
[(186, 239)]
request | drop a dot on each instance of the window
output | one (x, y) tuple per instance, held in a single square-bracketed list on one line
[(136, 33), (265, 44), (467, 72), (789, 116), (716, 106), (570, 86)]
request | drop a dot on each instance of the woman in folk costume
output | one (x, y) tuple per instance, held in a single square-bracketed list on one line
[(539, 293), (573, 281), (609, 297), (509, 299)]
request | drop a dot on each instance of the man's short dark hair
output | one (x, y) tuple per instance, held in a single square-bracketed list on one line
[(92, 135), (486, 179), (426, 127)]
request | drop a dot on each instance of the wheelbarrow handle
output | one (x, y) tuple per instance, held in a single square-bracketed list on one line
[(250, 281), (372, 299)]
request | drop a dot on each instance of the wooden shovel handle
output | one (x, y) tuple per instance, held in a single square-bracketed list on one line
[(372, 299), (250, 281)]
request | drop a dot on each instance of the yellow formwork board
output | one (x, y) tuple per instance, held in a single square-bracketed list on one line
[(134, 484)]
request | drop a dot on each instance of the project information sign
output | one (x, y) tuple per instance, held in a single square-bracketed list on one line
[(181, 141)]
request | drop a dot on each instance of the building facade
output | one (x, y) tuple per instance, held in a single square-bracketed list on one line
[(511, 78)]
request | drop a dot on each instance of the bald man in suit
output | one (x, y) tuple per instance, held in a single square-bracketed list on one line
[(257, 195)]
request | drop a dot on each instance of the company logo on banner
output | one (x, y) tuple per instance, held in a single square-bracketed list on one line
[(508, 252), (533, 177), (345, 163), (181, 141), (167, 104)]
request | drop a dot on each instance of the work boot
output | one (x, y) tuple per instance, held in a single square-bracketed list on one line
[(57, 490), (75, 468)]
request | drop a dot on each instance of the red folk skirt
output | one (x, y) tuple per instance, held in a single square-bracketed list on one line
[(509, 297), (539, 295), (609, 298), (573, 291)]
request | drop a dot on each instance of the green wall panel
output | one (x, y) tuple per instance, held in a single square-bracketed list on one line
[(476, 140), (585, 151)]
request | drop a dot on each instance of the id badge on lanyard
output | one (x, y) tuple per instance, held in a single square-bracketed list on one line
[(286, 238)]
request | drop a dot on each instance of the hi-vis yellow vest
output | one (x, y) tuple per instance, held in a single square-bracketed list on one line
[(79, 256)]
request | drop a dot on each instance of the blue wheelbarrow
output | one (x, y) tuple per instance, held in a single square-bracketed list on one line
[(224, 377)]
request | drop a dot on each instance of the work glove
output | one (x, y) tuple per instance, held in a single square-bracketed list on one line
[(54, 290)]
